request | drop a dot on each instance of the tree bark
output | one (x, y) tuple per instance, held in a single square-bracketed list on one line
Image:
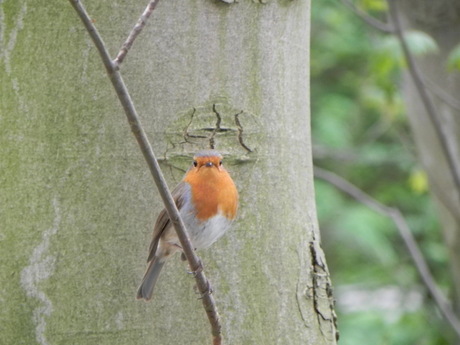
[(77, 201), (440, 20)]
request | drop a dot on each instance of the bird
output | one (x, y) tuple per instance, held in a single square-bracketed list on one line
[(207, 200)]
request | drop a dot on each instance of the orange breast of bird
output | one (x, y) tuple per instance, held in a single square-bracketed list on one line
[(213, 192)]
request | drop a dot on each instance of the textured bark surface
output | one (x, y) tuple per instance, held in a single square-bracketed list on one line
[(77, 203), (441, 20)]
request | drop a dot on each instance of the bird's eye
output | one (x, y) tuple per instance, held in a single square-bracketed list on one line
[(220, 162), (195, 163)]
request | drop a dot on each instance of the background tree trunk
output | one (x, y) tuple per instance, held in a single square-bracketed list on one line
[(77, 201), (440, 20)]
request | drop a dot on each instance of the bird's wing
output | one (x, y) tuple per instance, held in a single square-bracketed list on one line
[(163, 222)]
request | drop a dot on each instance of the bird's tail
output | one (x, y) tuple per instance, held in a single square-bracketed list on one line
[(150, 278)]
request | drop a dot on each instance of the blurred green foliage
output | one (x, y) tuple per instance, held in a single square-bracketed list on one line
[(454, 59), (361, 133)]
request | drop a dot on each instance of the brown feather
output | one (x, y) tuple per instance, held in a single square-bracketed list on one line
[(163, 222)]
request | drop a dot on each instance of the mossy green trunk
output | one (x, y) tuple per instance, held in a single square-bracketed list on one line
[(77, 202)]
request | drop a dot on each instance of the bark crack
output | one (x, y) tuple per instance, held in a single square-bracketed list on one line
[(240, 132), (187, 134), (217, 128), (215, 124), (321, 292)]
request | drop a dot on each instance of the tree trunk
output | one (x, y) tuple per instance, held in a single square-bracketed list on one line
[(440, 20), (77, 201)]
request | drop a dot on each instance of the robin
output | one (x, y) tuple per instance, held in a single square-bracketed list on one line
[(207, 200)]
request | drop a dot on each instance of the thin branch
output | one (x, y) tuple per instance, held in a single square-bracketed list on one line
[(144, 144), (135, 32), (441, 94), (367, 18), (395, 215), (425, 98)]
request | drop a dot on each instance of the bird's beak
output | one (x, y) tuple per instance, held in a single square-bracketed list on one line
[(209, 164)]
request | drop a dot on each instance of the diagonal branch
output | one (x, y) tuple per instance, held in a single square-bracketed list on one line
[(441, 94), (367, 18), (135, 32), (425, 98), (144, 144), (398, 219)]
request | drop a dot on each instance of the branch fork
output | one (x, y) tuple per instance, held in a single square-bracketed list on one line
[(112, 67)]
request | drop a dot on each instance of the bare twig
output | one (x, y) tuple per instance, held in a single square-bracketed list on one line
[(395, 215), (144, 144), (427, 101), (135, 32), (367, 18)]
